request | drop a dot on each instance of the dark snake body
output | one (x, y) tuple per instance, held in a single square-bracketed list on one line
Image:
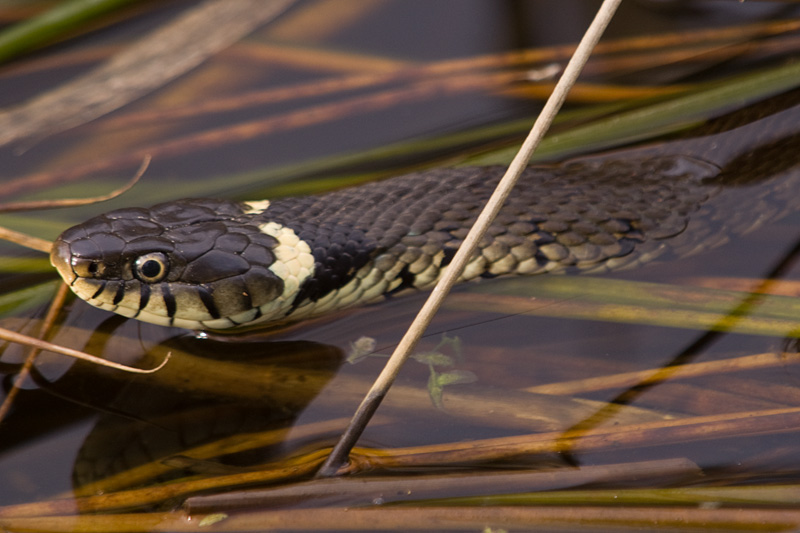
[(217, 264)]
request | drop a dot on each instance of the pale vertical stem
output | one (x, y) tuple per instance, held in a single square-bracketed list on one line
[(407, 344)]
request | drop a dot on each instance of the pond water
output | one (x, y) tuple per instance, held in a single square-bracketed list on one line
[(268, 396)]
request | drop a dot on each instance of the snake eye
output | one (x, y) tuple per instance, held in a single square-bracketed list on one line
[(152, 267)]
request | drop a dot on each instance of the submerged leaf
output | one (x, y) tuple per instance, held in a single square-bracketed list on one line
[(361, 348), (212, 519), (438, 381)]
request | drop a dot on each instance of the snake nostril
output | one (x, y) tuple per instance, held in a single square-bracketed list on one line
[(87, 268), (95, 268), (70, 265)]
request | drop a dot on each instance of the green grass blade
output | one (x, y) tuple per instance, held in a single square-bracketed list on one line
[(662, 117), (589, 298), (29, 297), (657, 118), (716, 496), (54, 23)]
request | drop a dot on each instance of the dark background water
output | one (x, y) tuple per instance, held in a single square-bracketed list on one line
[(59, 426)]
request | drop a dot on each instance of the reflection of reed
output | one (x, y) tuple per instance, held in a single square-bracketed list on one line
[(385, 85), (195, 390)]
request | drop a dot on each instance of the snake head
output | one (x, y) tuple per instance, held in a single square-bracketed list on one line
[(198, 264)]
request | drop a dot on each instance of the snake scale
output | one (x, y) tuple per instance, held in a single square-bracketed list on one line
[(208, 264)]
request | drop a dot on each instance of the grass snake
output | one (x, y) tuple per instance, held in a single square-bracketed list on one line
[(209, 264)]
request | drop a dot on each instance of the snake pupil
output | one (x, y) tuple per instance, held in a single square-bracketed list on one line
[(151, 269)]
